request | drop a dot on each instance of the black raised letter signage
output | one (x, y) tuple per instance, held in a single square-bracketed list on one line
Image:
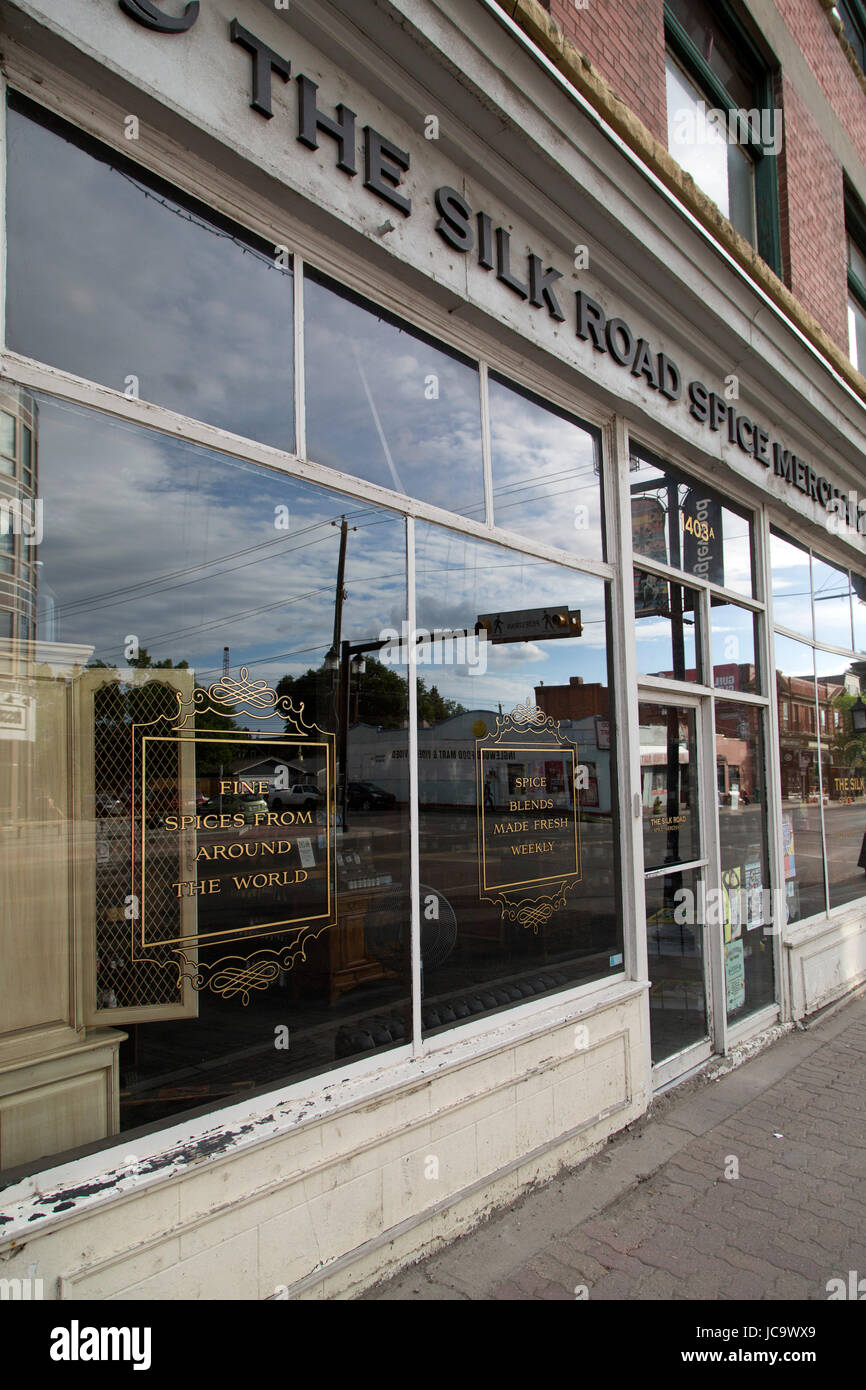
[(147, 14), (265, 61)]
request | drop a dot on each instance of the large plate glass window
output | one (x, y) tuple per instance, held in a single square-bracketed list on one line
[(546, 472), (116, 276), (822, 752), (518, 816), (386, 403), (205, 786)]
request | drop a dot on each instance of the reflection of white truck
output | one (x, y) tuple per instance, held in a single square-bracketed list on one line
[(301, 795)]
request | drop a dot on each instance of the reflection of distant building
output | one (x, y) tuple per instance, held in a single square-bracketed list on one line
[(799, 729), (729, 675), (446, 758), (575, 701), (19, 530)]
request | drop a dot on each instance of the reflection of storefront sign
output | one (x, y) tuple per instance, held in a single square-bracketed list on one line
[(17, 717), (531, 624), (602, 732), (528, 843), (726, 678), (648, 538), (240, 867)]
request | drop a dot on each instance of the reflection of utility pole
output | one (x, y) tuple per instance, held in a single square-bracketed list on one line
[(351, 655), (341, 593)]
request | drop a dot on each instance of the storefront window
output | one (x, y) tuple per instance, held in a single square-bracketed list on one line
[(802, 825), (733, 633), (792, 585), (546, 473), (747, 911), (114, 275), (843, 766), (858, 607), (386, 403), (669, 785), (831, 599), (667, 628), (689, 526), (203, 791), (816, 728), (519, 844)]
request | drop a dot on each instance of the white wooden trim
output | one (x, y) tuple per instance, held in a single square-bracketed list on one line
[(36, 376), (623, 678), (300, 382), (486, 442), (414, 815)]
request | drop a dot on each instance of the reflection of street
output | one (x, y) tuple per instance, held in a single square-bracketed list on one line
[(845, 826), (493, 949)]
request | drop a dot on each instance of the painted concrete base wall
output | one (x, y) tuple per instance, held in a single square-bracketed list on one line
[(826, 960), (326, 1207)]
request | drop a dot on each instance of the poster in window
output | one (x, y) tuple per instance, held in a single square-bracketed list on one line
[(735, 975), (702, 536)]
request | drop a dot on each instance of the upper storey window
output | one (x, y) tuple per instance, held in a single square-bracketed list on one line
[(856, 226), (722, 125), (853, 16)]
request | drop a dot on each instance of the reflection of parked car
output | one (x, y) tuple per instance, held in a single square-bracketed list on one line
[(366, 796), (301, 795), (248, 806)]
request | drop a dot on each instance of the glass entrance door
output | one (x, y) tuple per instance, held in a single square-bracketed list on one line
[(675, 871)]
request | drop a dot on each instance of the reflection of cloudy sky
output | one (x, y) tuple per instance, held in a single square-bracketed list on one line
[(791, 586), (831, 589), (654, 645), (732, 631), (367, 412), (458, 579), (793, 658), (830, 585), (543, 467), (107, 282), (149, 536)]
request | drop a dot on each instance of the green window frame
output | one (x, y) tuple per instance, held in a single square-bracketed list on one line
[(853, 16), (855, 226), (684, 49)]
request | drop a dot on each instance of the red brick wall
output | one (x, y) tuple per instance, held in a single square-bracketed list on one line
[(809, 25), (811, 195), (625, 42)]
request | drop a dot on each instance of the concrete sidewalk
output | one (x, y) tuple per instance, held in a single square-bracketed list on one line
[(654, 1215)]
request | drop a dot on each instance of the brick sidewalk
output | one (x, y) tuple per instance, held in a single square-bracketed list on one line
[(653, 1215)]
